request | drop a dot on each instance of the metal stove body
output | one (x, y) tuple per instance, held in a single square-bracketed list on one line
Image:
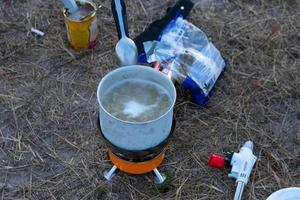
[(136, 162)]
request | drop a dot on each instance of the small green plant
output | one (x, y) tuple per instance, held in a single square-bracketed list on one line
[(101, 193), (166, 186)]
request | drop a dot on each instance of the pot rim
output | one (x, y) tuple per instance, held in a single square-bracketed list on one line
[(137, 67)]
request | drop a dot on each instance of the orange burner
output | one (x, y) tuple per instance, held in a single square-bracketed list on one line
[(136, 167), (136, 162)]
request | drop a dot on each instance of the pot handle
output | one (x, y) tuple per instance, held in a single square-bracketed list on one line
[(123, 8)]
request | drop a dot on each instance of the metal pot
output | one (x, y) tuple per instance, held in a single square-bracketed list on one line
[(137, 155), (135, 136)]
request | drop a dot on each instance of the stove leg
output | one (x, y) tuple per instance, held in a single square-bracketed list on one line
[(160, 177), (109, 174)]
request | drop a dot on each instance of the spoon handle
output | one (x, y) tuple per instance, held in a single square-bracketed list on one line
[(70, 5), (119, 13)]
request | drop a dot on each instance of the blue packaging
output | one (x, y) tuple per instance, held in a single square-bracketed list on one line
[(192, 60)]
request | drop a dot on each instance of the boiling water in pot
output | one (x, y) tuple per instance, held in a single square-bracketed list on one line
[(136, 101)]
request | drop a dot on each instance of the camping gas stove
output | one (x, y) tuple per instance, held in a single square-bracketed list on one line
[(136, 162)]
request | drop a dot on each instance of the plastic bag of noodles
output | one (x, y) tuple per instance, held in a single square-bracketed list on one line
[(185, 54)]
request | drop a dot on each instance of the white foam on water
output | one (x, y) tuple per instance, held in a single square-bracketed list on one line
[(137, 101), (134, 109)]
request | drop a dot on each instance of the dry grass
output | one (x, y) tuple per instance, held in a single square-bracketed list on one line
[(49, 145)]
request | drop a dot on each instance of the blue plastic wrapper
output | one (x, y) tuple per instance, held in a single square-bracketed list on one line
[(188, 57)]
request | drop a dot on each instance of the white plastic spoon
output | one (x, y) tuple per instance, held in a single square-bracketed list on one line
[(126, 49)]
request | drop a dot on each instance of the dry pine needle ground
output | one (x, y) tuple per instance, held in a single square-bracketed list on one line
[(49, 144)]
